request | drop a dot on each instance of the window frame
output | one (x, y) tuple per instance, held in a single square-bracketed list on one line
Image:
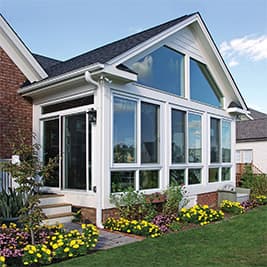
[(138, 165), (186, 166), (219, 164)]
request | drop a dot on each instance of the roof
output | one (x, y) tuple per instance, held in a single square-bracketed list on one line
[(252, 130), (46, 62), (107, 52), (257, 114)]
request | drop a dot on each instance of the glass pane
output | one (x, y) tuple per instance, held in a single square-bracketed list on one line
[(226, 174), (214, 140), (148, 179), (122, 180), (213, 175), (178, 136), (177, 177), (124, 130), (75, 151), (90, 156), (247, 156), (162, 69), (202, 86), (194, 138), (226, 141), (149, 133), (51, 149), (194, 176)]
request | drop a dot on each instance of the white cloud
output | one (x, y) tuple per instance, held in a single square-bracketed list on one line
[(252, 48), (143, 68)]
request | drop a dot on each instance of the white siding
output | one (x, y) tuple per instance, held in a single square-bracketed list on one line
[(259, 153)]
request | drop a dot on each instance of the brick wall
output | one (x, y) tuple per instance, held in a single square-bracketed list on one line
[(210, 199), (15, 111)]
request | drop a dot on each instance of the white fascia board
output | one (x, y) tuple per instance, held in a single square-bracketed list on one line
[(19, 53), (238, 111), (43, 85), (152, 41), (221, 62)]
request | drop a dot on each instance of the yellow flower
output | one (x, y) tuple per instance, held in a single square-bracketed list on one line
[(2, 259), (55, 246), (30, 251), (66, 249), (39, 255)]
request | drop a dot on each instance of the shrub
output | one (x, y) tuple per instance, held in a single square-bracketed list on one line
[(200, 215), (133, 205), (232, 207), (142, 228), (34, 254), (261, 200), (175, 199), (175, 226)]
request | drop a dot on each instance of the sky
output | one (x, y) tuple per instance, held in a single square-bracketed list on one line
[(65, 28)]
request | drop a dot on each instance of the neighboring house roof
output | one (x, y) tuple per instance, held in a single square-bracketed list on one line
[(46, 62), (257, 114), (107, 52), (252, 130)]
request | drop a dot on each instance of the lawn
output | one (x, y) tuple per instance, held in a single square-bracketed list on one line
[(239, 241)]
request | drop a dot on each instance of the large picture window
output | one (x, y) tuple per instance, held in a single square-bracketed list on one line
[(162, 69), (202, 86), (124, 130)]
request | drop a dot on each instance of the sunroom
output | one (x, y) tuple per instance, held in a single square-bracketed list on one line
[(162, 112)]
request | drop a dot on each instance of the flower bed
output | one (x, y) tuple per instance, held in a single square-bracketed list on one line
[(232, 207), (52, 243), (142, 228), (261, 199), (201, 215)]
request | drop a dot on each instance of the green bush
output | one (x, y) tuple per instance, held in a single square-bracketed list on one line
[(133, 205)]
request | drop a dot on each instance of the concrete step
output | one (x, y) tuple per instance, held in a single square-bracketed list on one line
[(50, 199), (57, 208), (58, 218)]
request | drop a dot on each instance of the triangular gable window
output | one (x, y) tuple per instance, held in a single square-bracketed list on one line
[(162, 69), (202, 86)]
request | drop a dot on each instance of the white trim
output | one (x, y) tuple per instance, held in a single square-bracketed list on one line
[(19, 53)]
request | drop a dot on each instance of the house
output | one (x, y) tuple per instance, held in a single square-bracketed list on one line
[(152, 108), (251, 141)]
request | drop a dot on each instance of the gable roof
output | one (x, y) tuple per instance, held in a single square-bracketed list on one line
[(107, 52), (255, 114)]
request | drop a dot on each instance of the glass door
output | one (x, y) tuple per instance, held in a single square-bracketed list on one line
[(75, 154)]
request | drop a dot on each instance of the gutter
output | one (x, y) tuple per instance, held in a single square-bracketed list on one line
[(66, 76)]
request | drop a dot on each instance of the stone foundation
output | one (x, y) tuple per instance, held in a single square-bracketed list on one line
[(88, 215), (210, 199), (113, 212)]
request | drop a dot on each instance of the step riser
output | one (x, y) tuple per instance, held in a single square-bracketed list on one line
[(55, 221), (52, 200), (57, 210)]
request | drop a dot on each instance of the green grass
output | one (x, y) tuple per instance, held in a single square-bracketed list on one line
[(240, 241)]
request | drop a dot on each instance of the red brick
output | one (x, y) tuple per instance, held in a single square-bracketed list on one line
[(15, 111), (210, 199)]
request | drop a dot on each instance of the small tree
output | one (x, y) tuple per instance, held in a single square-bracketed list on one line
[(25, 173)]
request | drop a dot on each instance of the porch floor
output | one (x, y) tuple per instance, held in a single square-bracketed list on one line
[(107, 239)]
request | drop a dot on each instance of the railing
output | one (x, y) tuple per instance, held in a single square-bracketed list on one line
[(5, 177)]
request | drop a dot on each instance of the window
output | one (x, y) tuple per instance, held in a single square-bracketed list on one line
[(226, 141), (136, 145), (194, 138), (149, 133), (186, 144), (177, 177), (149, 179), (178, 136), (214, 140), (202, 86), (122, 180), (220, 150), (244, 156), (124, 137), (162, 69), (194, 176)]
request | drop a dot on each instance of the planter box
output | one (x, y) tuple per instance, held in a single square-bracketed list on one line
[(239, 195)]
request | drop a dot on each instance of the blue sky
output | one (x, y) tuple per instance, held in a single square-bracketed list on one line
[(65, 28)]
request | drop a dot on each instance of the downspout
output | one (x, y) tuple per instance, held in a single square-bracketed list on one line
[(99, 224)]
